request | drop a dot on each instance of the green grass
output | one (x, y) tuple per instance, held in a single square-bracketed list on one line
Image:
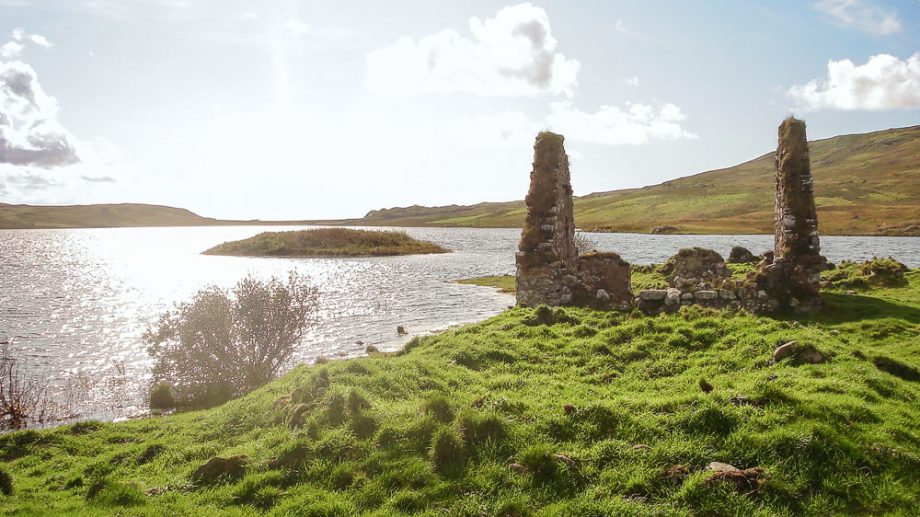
[(643, 277), (326, 242), (595, 413), (504, 283), (865, 184)]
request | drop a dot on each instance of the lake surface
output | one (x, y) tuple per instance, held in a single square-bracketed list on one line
[(74, 304)]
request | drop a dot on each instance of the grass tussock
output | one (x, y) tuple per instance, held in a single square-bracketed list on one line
[(583, 413), (327, 242), (877, 272)]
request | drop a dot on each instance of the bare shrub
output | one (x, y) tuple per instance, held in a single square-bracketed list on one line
[(584, 244), (225, 343), (23, 397)]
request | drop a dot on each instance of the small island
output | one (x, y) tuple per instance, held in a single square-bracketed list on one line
[(327, 242)]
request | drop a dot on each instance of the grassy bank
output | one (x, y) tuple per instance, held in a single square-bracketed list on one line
[(326, 242), (504, 283), (550, 412)]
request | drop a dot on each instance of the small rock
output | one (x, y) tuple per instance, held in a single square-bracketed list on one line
[(725, 294), (640, 447), (517, 468), (748, 479), (784, 351), (219, 469), (686, 296), (706, 295), (371, 349), (705, 386), (717, 466), (569, 409), (602, 296), (741, 255), (401, 331)]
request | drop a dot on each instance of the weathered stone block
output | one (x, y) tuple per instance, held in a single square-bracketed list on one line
[(706, 295), (653, 294)]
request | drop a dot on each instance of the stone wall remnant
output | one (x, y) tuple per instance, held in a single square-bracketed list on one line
[(696, 268), (549, 270)]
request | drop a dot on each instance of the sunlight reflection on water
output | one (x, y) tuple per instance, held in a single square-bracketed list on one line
[(76, 302)]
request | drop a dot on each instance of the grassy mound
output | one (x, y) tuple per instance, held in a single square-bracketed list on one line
[(535, 412), (878, 272), (326, 242)]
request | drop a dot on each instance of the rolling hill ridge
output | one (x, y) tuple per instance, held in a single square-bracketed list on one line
[(865, 184)]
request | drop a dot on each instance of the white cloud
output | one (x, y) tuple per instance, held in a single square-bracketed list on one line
[(11, 49), (40, 40), (29, 131), (859, 15), (512, 54), (884, 82), (632, 81), (634, 124)]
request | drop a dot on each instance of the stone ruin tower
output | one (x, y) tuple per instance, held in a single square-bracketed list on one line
[(792, 279), (547, 248), (549, 270)]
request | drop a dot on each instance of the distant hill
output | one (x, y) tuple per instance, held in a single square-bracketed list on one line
[(865, 184), (98, 216)]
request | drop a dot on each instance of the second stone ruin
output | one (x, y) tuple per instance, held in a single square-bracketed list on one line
[(549, 269)]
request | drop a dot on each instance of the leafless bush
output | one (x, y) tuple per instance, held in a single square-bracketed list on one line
[(225, 343), (23, 397), (584, 244)]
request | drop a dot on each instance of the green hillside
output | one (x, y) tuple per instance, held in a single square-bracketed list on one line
[(865, 184)]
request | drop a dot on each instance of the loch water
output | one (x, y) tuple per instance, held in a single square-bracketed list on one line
[(74, 304)]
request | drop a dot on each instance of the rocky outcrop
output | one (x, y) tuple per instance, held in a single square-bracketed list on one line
[(791, 281), (549, 270)]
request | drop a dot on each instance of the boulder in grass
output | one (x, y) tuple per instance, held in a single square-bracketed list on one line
[(748, 479), (218, 470), (799, 353)]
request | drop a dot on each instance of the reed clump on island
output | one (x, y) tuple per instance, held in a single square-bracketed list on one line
[(327, 242), (566, 411)]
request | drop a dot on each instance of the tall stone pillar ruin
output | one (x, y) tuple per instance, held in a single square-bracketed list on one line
[(549, 270), (547, 249), (793, 277)]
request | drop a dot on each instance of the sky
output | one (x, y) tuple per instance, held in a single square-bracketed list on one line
[(306, 109)]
